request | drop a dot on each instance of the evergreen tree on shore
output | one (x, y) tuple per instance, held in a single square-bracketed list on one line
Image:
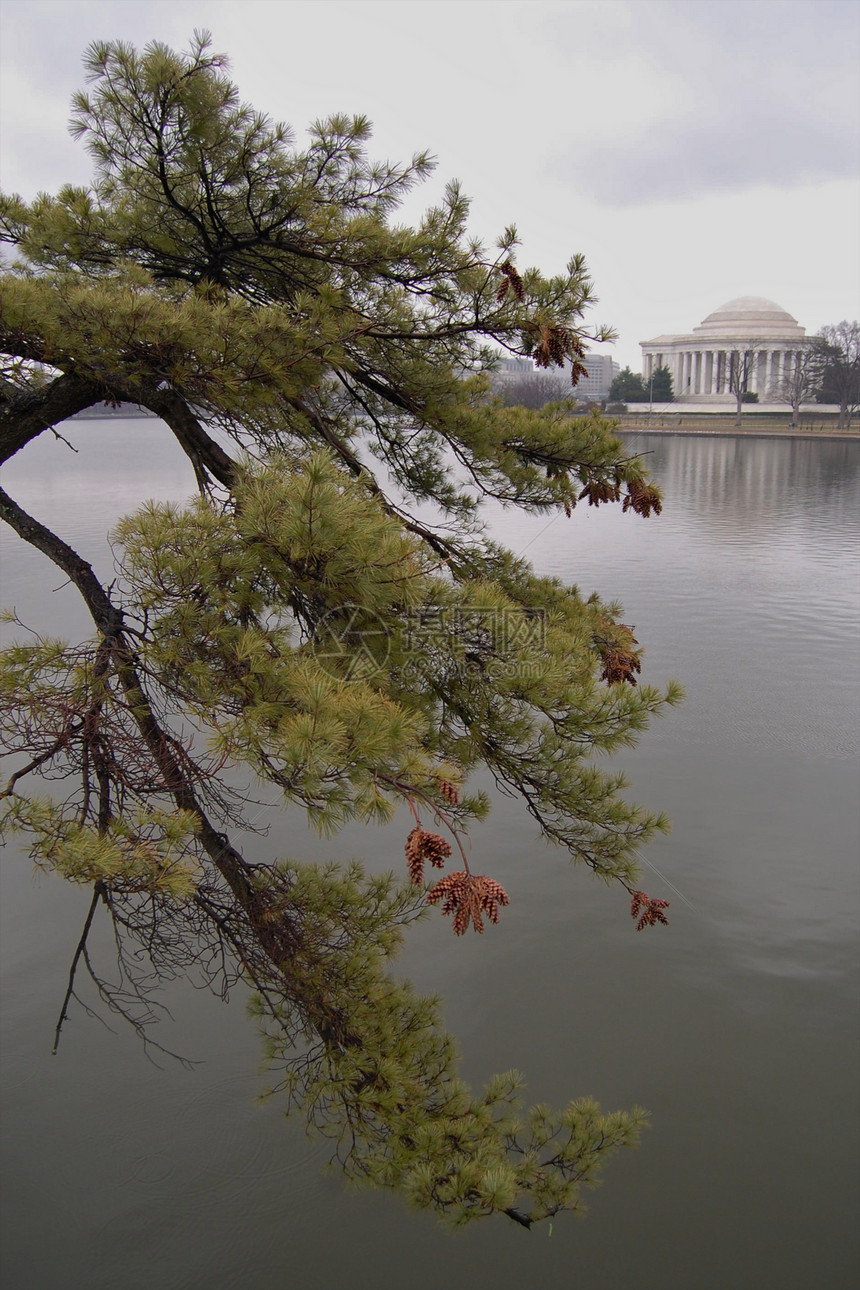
[(659, 386), (627, 387)]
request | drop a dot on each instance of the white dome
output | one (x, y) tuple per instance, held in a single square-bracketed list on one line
[(751, 316)]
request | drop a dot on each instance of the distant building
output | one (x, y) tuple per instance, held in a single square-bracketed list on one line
[(700, 362), (514, 369), (592, 388), (602, 371)]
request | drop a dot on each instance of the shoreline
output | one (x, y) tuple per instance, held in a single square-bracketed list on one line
[(742, 432), (679, 426)]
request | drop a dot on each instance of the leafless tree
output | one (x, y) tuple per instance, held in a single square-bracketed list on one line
[(800, 382), (838, 349), (740, 370), (535, 391)]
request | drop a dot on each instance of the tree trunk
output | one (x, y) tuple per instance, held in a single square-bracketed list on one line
[(26, 414)]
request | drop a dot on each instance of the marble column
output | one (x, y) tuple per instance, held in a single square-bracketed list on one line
[(761, 374), (708, 387)]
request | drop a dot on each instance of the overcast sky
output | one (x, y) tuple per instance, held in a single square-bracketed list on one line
[(694, 151)]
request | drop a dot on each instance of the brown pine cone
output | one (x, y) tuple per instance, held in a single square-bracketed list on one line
[(468, 896), (423, 846), (449, 791)]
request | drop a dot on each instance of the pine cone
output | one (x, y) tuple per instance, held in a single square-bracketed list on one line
[(649, 910), (642, 498), (421, 846), (553, 346), (414, 856), (577, 371), (619, 665), (468, 896), (600, 490), (620, 660), (515, 281), (449, 791)]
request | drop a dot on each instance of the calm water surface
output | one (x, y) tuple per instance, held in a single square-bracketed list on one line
[(735, 1026)]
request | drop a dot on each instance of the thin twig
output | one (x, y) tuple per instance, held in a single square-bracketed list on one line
[(98, 892)]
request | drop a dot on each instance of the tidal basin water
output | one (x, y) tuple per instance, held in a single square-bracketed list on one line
[(735, 1026)]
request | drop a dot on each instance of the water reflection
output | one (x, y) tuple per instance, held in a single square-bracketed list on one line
[(732, 1027), (750, 483)]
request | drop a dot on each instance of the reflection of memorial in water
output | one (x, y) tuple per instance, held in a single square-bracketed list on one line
[(748, 479)]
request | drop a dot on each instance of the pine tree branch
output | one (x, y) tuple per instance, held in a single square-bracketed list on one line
[(447, 550), (109, 621), (206, 456)]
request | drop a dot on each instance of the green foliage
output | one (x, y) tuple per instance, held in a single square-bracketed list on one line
[(229, 595), (660, 386), (627, 387), (328, 374), (387, 1092), (142, 851)]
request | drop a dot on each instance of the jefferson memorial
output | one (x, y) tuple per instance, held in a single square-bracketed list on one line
[(699, 362)]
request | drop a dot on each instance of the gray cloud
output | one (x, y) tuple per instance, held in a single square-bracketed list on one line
[(623, 101), (767, 93), (743, 147)]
